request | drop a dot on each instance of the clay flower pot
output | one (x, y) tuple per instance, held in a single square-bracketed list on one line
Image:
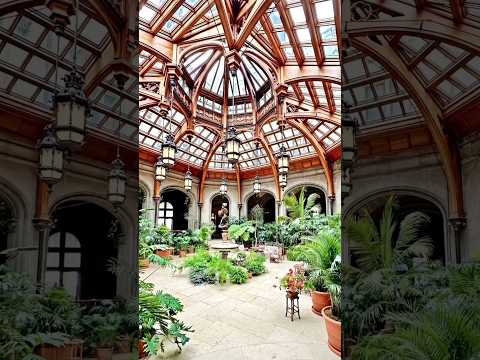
[(163, 253), (191, 249), (123, 344), (182, 253), (334, 331), (319, 301), (141, 349), (104, 353), (143, 263)]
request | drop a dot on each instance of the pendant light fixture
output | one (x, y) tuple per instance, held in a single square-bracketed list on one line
[(257, 186), (233, 142), (160, 170), (188, 180), (51, 158), (117, 179), (282, 179), (169, 148), (71, 104), (283, 158)]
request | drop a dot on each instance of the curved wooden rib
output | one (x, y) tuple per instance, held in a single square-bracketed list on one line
[(251, 21), (431, 113), (320, 152), (260, 137), (201, 187)]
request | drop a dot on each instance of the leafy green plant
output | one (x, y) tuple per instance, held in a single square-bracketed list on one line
[(301, 207), (101, 330), (241, 232), (204, 235), (238, 275), (255, 263), (170, 302)]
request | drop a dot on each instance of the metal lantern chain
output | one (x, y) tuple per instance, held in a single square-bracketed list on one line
[(257, 186), (169, 148), (232, 141), (71, 105)]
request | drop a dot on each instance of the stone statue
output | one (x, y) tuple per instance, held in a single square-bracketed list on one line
[(223, 225)]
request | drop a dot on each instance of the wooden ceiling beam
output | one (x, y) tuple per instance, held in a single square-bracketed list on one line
[(314, 35), (212, 151), (327, 87), (458, 10), (252, 20), (273, 162), (192, 20), (288, 26), (298, 92), (172, 7), (313, 94), (147, 66), (273, 39), (226, 24)]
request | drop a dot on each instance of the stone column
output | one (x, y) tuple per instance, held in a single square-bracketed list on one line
[(240, 210), (279, 209), (156, 201), (331, 201), (457, 224), (43, 228), (200, 206)]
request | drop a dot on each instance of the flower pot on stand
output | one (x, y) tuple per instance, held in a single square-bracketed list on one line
[(104, 353), (334, 331), (319, 301)]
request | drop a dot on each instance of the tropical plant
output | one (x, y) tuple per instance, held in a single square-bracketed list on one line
[(332, 278), (301, 207), (204, 235), (388, 245), (170, 302), (241, 232)]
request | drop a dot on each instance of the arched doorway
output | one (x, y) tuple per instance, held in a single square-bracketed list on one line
[(173, 209), (83, 242), (266, 202), (217, 202), (6, 224), (321, 202), (405, 205), (142, 198)]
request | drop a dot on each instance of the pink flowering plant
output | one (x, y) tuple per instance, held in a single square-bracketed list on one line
[(294, 280)]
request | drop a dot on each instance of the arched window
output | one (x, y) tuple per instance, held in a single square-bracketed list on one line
[(64, 262), (165, 214)]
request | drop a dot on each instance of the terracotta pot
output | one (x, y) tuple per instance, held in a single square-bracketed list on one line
[(182, 253), (104, 353), (250, 275), (319, 301), (292, 294), (191, 249), (141, 349), (163, 253), (143, 263), (123, 344), (334, 331)]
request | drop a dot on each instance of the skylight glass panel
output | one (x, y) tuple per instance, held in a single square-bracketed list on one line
[(308, 51), (275, 18), (464, 78), (331, 51), (304, 36), (328, 33), (282, 37), (324, 10), (192, 3), (94, 32), (28, 29), (181, 13), (169, 26), (298, 15), (288, 52), (157, 3), (147, 14), (38, 67)]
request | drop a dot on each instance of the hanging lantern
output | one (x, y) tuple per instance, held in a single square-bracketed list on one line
[(117, 182), (233, 146), (188, 180), (223, 187), (160, 170), (282, 179), (283, 158), (51, 158), (168, 151), (257, 185), (72, 111)]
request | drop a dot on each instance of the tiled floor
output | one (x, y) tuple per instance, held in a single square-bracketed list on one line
[(243, 322)]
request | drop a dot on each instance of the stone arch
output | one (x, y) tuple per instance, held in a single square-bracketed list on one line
[(192, 208), (262, 193), (422, 194), (326, 207)]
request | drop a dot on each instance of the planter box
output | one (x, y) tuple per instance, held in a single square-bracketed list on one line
[(72, 350), (166, 254)]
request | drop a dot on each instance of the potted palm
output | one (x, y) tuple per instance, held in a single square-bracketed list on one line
[(331, 314)]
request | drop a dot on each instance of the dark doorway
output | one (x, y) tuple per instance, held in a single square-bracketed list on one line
[(217, 203), (142, 198), (266, 202), (406, 204), (83, 242), (321, 202), (6, 224), (173, 209)]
